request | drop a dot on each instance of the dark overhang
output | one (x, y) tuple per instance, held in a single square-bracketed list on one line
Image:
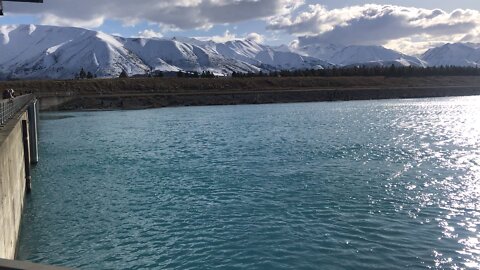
[(24, 1)]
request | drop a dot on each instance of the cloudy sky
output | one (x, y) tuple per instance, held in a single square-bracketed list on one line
[(410, 26)]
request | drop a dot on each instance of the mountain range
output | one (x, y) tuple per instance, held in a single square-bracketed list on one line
[(38, 51)]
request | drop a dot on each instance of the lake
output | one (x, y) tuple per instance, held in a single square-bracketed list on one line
[(344, 185)]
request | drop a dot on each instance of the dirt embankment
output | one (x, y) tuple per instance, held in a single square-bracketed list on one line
[(160, 92)]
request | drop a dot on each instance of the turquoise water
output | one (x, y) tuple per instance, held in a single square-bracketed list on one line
[(344, 185)]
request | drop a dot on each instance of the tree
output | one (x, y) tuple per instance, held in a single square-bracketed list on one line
[(392, 70), (207, 74), (89, 75), (82, 74), (123, 74)]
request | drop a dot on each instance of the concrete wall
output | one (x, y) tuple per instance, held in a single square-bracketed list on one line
[(17, 265), (12, 184), (53, 103)]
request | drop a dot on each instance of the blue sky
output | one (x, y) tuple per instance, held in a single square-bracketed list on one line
[(274, 22)]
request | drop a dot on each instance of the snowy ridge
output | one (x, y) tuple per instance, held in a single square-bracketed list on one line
[(359, 55), (457, 54), (267, 57), (35, 51), (374, 55), (174, 55), (320, 51), (30, 51)]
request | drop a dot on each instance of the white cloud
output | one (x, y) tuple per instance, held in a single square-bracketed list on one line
[(402, 28), (229, 36), (149, 33), (417, 46), (182, 14), (256, 37), (408, 29), (52, 19)]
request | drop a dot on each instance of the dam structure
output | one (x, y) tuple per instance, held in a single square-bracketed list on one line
[(18, 152)]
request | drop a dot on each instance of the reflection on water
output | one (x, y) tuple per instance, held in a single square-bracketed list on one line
[(444, 139), (344, 185), (54, 116)]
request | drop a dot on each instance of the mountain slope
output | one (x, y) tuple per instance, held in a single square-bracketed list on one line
[(457, 54), (373, 55), (30, 51), (174, 55), (267, 57), (320, 51)]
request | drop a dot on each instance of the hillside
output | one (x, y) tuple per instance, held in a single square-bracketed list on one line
[(52, 52), (457, 54)]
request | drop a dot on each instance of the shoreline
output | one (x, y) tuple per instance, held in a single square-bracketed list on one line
[(140, 101), (145, 93)]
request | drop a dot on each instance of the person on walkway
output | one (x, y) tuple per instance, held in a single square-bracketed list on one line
[(6, 94)]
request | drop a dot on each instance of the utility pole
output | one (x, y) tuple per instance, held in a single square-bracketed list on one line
[(25, 1)]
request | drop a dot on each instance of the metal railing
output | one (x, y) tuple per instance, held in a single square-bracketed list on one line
[(10, 107)]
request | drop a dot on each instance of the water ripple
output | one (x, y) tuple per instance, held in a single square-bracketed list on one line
[(348, 185)]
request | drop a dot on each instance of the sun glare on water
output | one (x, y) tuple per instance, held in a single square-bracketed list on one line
[(457, 148)]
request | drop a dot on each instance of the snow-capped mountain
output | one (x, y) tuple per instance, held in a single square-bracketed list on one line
[(373, 55), (357, 55), (457, 54), (174, 55), (30, 51), (260, 55), (320, 50)]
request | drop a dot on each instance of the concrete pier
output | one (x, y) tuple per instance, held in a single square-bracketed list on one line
[(15, 156), (12, 184), (17, 265), (18, 151)]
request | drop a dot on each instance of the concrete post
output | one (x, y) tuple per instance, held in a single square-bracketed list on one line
[(26, 152), (33, 118)]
